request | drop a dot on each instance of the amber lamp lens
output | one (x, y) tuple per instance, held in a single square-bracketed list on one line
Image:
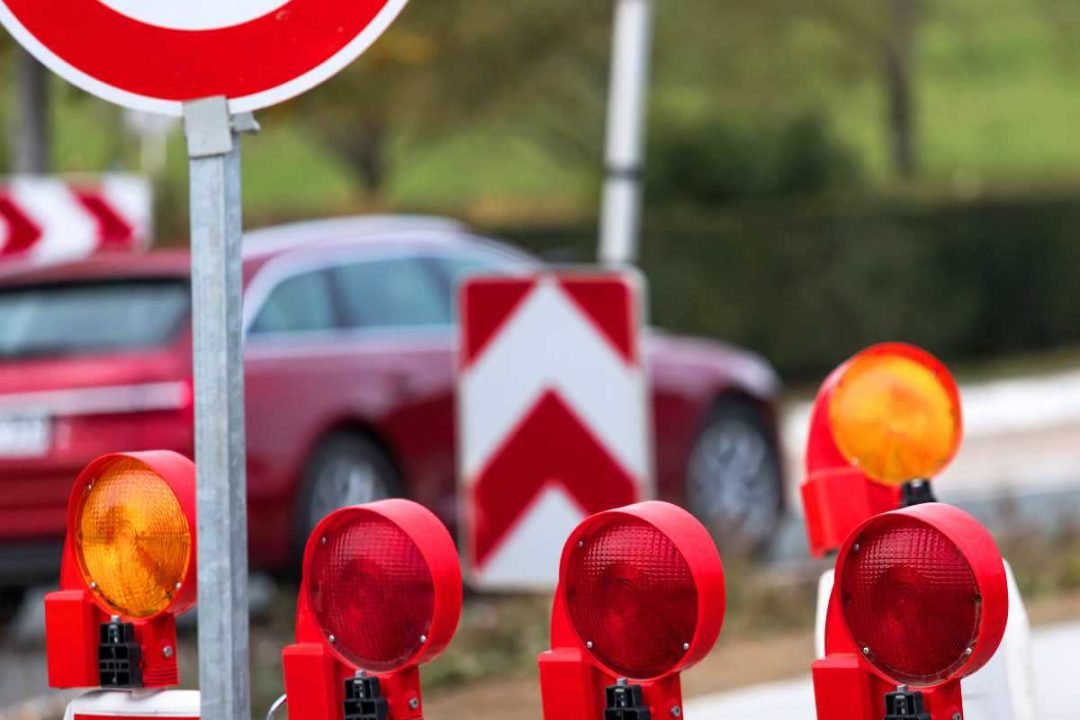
[(894, 418), (132, 540)]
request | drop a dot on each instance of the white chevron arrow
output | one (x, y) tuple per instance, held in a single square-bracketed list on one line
[(68, 230), (548, 344)]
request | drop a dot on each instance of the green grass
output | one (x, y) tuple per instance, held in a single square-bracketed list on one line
[(996, 98)]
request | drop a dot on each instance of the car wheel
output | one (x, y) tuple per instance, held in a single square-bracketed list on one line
[(345, 469), (733, 482), (11, 600)]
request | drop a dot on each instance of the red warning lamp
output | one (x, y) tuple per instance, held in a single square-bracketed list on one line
[(381, 595), (640, 599), (884, 419), (128, 570), (920, 601)]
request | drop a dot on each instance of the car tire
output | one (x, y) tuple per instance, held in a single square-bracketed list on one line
[(11, 601), (733, 482), (345, 469)]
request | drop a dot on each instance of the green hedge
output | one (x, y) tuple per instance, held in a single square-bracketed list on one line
[(808, 285)]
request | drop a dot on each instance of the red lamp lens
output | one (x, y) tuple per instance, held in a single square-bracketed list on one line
[(371, 591), (632, 598), (910, 600)]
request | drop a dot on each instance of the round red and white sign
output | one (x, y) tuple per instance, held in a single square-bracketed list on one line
[(154, 55)]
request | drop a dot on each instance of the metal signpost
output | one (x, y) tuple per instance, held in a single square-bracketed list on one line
[(130, 52), (216, 283), (620, 222)]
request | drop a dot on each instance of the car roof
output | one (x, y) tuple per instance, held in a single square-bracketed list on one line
[(261, 246), (370, 228)]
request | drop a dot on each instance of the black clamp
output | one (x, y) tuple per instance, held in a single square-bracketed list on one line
[(119, 656), (916, 492), (905, 705), (364, 699), (625, 702)]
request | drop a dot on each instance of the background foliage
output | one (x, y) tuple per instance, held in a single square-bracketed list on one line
[(811, 283)]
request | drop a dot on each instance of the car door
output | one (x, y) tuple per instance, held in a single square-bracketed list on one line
[(400, 324), (293, 352)]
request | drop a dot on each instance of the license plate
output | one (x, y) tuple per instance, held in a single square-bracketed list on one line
[(22, 437)]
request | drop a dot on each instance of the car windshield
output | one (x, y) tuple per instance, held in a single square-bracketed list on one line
[(85, 318)]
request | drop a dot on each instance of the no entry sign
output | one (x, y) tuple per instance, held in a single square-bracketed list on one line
[(553, 417), (156, 54), (213, 62)]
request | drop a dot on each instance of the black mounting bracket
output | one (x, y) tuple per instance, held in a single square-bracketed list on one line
[(119, 656), (905, 705), (364, 699), (625, 702)]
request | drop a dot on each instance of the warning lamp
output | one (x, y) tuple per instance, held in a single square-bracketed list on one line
[(884, 423), (640, 599), (128, 570), (381, 595), (920, 602)]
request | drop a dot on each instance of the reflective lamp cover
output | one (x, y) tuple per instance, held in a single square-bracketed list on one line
[(895, 414), (131, 522), (923, 593), (383, 584), (644, 589)]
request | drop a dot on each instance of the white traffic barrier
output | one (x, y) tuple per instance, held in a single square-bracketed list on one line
[(123, 704)]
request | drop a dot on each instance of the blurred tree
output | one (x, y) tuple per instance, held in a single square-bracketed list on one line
[(813, 45), (30, 131), (539, 65)]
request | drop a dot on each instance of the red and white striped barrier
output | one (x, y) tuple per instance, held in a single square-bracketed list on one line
[(553, 417), (46, 219)]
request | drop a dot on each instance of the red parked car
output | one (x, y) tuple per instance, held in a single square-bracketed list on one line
[(350, 376)]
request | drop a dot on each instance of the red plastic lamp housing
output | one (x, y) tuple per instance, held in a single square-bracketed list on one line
[(640, 597), (381, 593), (922, 592), (889, 414), (644, 590), (130, 553)]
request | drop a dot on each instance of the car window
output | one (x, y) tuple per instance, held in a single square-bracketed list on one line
[(455, 269), (458, 268), (87, 317), (390, 293), (298, 304)]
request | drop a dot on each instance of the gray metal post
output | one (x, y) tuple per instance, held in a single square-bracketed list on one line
[(620, 222), (214, 151), (30, 142)]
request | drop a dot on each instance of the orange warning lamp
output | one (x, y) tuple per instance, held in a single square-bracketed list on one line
[(884, 421), (128, 570)]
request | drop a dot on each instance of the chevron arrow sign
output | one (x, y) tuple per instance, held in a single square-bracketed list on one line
[(45, 219), (553, 417)]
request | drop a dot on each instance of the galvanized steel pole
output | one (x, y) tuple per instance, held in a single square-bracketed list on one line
[(620, 222), (214, 152)]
